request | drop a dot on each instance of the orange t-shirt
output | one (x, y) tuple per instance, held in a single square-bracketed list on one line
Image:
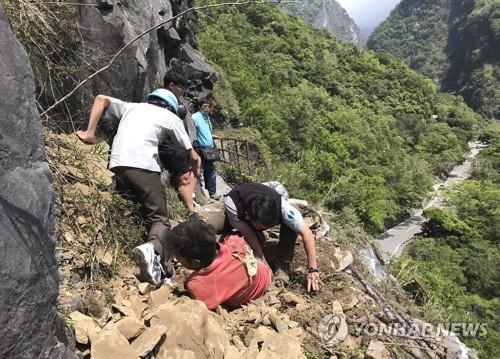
[(226, 281)]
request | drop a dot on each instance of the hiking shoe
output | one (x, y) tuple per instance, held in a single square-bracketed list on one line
[(149, 264), (282, 272)]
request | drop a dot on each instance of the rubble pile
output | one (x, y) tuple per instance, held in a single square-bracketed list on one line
[(123, 318), (145, 322)]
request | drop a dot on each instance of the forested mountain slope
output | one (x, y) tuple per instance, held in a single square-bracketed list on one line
[(349, 129), (329, 15), (456, 43), (458, 258)]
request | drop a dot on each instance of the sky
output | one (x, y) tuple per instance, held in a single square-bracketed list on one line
[(368, 13)]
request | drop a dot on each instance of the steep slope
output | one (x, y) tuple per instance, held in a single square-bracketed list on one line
[(456, 43), (350, 129), (329, 15)]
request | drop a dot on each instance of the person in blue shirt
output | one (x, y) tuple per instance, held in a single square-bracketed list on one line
[(205, 139)]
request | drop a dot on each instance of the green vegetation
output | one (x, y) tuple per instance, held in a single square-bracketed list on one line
[(459, 259), (345, 128), (456, 43)]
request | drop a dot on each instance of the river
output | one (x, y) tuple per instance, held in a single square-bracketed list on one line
[(392, 241)]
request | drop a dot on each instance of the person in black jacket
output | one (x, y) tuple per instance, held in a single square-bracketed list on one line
[(254, 207)]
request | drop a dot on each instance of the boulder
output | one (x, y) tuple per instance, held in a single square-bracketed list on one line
[(201, 74), (148, 340), (112, 344), (86, 330), (159, 296), (145, 288), (341, 259), (277, 323), (191, 326), (272, 344), (105, 29), (259, 335), (130, 327), (28, 268)]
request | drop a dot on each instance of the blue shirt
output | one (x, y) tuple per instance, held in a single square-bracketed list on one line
[(203, 130)]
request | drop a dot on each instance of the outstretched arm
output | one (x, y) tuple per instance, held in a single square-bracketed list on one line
[(101, 103), (310, 248)]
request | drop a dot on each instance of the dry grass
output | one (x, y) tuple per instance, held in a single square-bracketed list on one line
[(48, 33), (96, 228)]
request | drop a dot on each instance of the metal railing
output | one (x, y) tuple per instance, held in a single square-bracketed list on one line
[(236, 153)]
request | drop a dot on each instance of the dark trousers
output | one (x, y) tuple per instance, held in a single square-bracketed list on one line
[(144, 187), (209, 175), (286, 245)]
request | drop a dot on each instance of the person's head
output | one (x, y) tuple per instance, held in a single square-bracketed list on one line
[(194, 244), (165, 99), (175, 81), (262, 212), (205, 105)]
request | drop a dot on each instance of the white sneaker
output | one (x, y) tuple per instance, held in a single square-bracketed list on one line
[(149, 263)]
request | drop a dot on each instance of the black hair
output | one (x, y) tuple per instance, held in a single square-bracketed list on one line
[(263, 209), (203, 101), (175, 77), (194, 239)]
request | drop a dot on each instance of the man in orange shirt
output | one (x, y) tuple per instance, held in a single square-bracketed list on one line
[(225, 273)]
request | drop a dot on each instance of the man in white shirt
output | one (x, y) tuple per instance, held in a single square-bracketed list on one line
[(135, 162)]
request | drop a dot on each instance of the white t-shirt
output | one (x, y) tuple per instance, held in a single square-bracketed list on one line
[(142, 127)]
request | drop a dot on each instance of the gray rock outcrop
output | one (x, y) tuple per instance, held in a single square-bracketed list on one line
[(331, 16), (28, 270), (104, 29)]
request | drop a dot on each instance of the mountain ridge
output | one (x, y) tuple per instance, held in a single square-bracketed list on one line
[(331, 16), (456, 43)]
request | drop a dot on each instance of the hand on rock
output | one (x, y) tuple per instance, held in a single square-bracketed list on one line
[(313, 281)]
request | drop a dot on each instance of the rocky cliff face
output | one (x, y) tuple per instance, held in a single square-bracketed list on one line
[(456, 43), (28, 270), (96, 33), (329, 15)]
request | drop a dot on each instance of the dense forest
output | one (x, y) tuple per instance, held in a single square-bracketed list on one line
[(352, 130), (456, 43), (458, 257)]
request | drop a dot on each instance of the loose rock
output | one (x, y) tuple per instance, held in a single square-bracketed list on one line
[(377, 350), (341, 259), (291, 298), (85, 328), (111, 344), (145, 288), (148, 340), (159, 296), (130, 327)]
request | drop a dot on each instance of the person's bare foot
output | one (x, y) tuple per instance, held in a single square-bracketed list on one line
[(85, 137)]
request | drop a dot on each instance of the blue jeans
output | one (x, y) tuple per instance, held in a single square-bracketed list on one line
[(209, 175)]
